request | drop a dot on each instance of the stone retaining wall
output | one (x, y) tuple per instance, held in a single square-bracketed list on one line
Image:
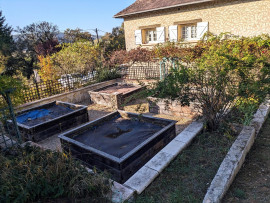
[(172, 108)]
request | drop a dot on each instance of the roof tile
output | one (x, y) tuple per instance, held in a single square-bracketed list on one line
[(140, 6)]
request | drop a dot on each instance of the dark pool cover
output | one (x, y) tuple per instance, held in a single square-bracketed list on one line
[(118, 136), (32, 115), (38, 116)]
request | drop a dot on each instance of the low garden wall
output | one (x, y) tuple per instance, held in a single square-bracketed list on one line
[(171, 107), (235, 157), (75, 96)]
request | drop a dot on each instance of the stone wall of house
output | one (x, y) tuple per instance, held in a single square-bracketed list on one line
[(240, 17)]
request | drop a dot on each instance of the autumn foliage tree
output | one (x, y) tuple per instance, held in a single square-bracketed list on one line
[(34, 40), (138, 55), (48, 47), (220, 72), (78, 57), (71, 36), (46, 70)]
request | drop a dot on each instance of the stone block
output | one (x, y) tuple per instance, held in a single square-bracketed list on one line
[(120, 193), (174, 148), (195, 127), (185, 136), (261, 113), (160, 161), (257, 123), (141, 179)]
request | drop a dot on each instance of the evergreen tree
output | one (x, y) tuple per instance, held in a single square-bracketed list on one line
[(6, 40)]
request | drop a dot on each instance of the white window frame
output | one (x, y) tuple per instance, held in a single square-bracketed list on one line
[(190, 32), (151, 36)]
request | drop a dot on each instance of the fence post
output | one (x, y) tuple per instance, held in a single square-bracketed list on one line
[(162, 72), (37, 89), (11, 111), (160, 69), (68, 82)]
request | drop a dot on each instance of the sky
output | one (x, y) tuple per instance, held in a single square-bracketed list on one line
[(83, 14)]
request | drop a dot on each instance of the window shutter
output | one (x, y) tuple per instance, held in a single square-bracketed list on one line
[(138, 37), (160, 34), (173, 32), (202, 28)]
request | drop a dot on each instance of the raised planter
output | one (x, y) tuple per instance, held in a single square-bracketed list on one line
[(114, 95), (58, 116), (120, 142), (171, 107)]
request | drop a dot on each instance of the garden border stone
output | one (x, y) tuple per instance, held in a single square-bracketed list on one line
[(236, 155)]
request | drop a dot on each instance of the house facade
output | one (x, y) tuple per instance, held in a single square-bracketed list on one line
[(148, 22)]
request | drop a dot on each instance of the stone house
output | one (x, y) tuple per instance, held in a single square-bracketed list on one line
[(148, 22)]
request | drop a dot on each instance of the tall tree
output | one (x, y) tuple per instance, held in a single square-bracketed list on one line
[(6, 45), (78, 57), (114, 41), (6, 40), (33, 40), (48, 47), (71, 36)]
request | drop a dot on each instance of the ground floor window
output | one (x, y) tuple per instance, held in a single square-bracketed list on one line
[(189, 32), (151, 36)]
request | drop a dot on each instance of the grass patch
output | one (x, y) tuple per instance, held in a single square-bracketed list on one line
[(253, 178), (31, 174), (239, 193), (188, 177)]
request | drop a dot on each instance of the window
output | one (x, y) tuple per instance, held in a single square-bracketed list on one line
[(193, 31), (151, 36), (189, 32)]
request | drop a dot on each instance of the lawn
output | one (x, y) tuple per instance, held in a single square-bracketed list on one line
[(187, 178)]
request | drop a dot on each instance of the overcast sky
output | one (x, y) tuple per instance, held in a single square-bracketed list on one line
[(84, 14)]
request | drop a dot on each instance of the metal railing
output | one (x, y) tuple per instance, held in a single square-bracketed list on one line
[(143, 72), (40, 90)]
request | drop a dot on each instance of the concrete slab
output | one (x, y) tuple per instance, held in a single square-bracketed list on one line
[(174, 148), (141, 179), (160, 161), (195, 127), (186, 136), (120, 193)]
